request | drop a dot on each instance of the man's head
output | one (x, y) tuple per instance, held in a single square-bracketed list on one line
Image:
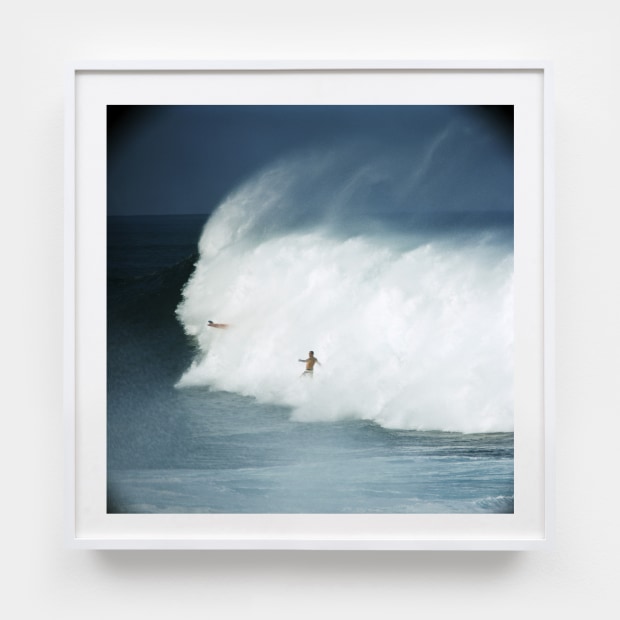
[(311, 354)]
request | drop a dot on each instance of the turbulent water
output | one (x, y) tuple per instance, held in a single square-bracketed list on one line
[(407, 306), (411, 320)]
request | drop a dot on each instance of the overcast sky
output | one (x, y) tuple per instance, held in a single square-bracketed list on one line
[(186, 159)]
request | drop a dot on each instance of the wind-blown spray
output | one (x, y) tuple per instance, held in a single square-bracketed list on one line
[(408, 309)]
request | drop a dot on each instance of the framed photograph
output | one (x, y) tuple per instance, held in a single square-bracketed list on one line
[(309, 305)]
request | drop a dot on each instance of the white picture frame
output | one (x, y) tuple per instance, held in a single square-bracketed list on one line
[(90, 86)]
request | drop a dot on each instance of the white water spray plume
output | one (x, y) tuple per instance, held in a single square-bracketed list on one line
[(408, 307)]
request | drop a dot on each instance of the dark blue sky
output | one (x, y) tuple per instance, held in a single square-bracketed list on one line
[(186, 159)]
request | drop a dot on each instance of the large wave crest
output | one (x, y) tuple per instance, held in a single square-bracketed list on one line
[(412, 325)]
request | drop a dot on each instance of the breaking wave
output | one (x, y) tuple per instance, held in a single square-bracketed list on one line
[(408, 308)]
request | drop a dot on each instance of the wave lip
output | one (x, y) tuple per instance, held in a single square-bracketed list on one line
[(413, 331)]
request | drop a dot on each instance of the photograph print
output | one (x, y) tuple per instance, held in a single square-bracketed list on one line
[(310, 309)]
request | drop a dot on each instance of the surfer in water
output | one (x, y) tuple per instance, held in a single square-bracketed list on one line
[(217, 325), (310, 362)]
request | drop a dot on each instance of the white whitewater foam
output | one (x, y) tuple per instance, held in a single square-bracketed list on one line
[(415, 336)]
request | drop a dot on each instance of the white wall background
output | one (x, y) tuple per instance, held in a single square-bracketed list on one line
[(42, 579)]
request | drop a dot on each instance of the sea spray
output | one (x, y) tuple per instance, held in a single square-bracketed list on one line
[(409, 314), (418, 340)]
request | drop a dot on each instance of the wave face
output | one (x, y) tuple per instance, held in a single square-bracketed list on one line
[(344, 251)]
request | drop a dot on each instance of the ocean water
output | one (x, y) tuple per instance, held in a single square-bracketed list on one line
[(185, 437), (395, 268)]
